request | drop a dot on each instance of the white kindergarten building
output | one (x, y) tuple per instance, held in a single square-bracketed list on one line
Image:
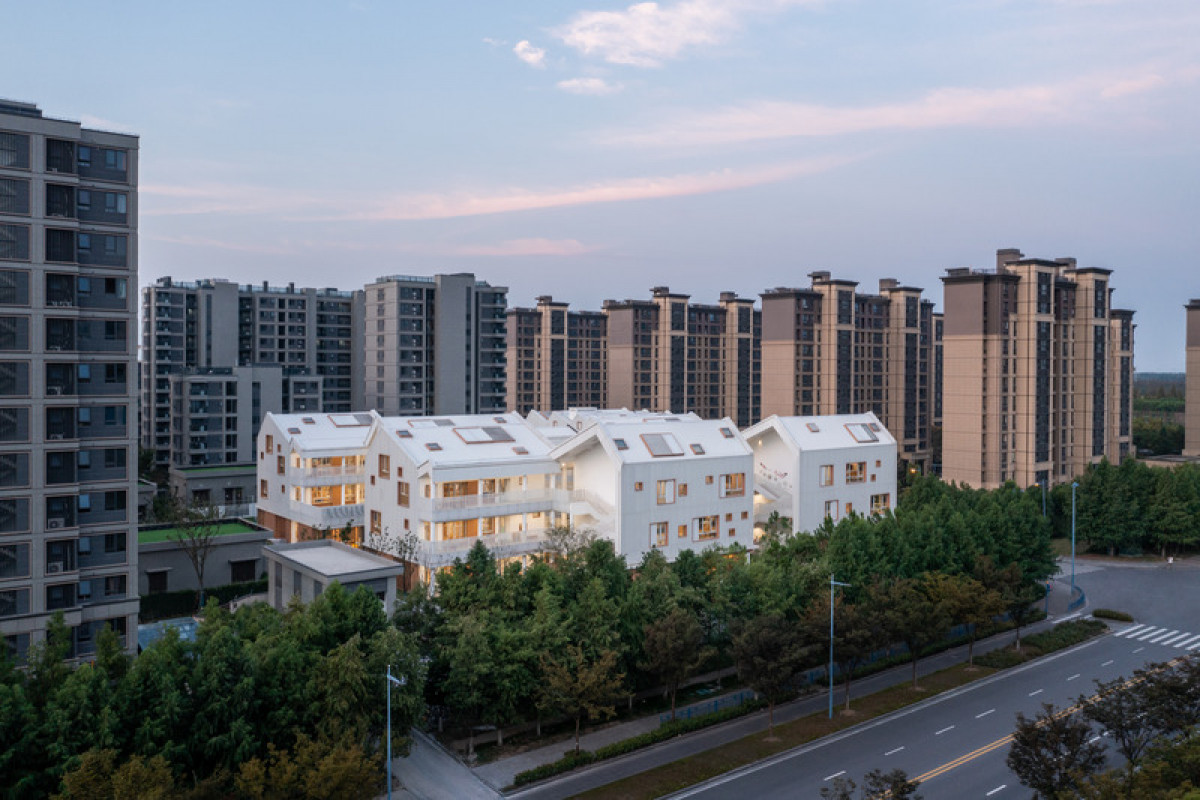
[(812, 468), (430, 487)]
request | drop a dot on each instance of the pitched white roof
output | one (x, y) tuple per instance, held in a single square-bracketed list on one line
[(580, 418), (644, 438), (469, 440), (834, 431), (320, 431)]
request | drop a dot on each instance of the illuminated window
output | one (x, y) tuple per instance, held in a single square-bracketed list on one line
[(279, 464), (831, 509), (827, 474), (733, 485), (637, 487), (683, 531), (707, 527), (666, 492), (659, 535), (262, 488), (856, 472), (385, 466), (376, 522), (880, 503), (402, 493)]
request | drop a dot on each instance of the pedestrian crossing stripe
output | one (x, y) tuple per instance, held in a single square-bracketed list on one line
[(1152, 634)]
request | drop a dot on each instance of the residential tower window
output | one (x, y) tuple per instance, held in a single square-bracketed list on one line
[(733, 485), (707, 528), (880, 503), (856, 472)]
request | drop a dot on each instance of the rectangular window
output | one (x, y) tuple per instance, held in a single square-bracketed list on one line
[(242, 571), (733, 485), (376, 522), (385, 466), (662, 444), (262, 488), (683, 531), (279, 464), (856, 472), (637, 487), (831, 509), (880, 503), (666, 492), (707, 528), (659, 534), (683, 490), (157, 581), (402, 493), (827, 474)]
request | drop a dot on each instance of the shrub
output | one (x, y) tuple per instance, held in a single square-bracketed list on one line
[(1108, 613), (1059, 637), (182, 603), (569, 761)]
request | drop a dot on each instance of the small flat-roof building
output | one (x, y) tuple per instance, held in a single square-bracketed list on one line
[(812, 468), (305, 570), (235, 557)]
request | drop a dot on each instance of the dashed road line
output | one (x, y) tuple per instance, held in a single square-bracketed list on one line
[(1140, 649), (893, 752), (999, 788), (1073, 677), (1106, 663), (943, 730), (835, 775), (1036, 691), (984, 714)]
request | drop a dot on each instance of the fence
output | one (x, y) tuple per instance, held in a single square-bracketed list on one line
[(711, 707)]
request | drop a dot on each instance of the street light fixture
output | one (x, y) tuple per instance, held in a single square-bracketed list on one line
[(832, 584), (398, 682)]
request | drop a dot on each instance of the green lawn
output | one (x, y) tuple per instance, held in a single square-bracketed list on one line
[(167, 534)]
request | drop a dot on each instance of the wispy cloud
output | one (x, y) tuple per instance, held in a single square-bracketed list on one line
[(224, 244), (940, 108), (647, 34), (523, 247), (220, 198), (494, 42), (592, 86), (502, 201), (531, 55)]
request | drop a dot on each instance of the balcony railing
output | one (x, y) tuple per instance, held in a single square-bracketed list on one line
[(441, 553)]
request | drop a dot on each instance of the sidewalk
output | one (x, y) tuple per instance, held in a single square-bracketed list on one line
[(500, 773), (431, 773)]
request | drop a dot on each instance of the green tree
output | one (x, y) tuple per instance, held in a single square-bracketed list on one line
[(770, 652), (580, 686), (1119, 708), (966, 601), (196, 531), (328, 770), (1053, 752), (674, 647), (910, 616), (856, 635)]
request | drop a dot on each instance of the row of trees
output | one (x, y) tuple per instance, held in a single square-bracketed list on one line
[(1151, 720), (1132, 507), (571, 635), (261, 704)]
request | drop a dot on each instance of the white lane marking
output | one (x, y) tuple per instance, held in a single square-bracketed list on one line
[(1070, 617), (834, 775), (1162, 636), (1140, 649), (943, 730), (893, 752), (1073, 677), (1187, 641), (984, 714), (1131, 630), (1106, 663), (1144, 635), (1093, 739), (1001, 787), (1193, 646), (1175, 639), (1036, 691)]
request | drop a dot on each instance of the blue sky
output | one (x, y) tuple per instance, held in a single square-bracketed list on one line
[(595, 149)]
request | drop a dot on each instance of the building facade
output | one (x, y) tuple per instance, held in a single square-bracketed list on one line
[(1191, 445), (215, 323), (829, 349), (68, 365), (1038, 372), (813, 469), (557, 358), (434, 345)]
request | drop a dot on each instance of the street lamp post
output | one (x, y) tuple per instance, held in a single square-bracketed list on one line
[(399, 682), (1044, 497), (1074, 485), (832, 584)]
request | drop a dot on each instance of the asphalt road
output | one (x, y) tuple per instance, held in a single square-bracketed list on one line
[(956, 744)]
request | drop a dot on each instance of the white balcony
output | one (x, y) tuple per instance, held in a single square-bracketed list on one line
[(328, 476), (502, 545)]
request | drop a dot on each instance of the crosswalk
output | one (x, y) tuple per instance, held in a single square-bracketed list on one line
[(1167, 637)]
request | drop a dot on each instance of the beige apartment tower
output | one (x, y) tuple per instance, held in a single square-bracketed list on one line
[(1038, 372), (1191, 419), (829, 349), (557, 358)]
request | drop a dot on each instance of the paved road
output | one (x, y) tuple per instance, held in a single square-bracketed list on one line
[(957, 743)]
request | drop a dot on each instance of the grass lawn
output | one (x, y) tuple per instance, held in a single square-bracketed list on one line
[(168, 534), (702, 766)]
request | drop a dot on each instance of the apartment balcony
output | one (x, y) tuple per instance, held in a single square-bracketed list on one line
[(328, 476), (449, 509), (435, 555), (324, 516)]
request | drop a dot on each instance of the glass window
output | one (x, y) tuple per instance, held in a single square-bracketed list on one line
[(659, 534), (733, 485), (880, 503), (831, 509), (856, 472), (707, 527), (666, 492)]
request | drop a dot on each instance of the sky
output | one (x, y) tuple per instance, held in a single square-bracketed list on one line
[(593, 150)]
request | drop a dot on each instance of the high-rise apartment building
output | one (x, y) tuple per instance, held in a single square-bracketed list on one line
[(68, 361), (1038, 372), (557, 358), (669, 354), (1191, 445), (828, 349), (434, 345), (189, 327)]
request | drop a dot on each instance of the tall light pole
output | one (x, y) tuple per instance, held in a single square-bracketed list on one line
[(1074, 486), (1044, 496), (398, 682), (832, 584)]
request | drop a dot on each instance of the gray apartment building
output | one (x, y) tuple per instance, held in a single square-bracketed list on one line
[(434, 345), (189, 329), (557, 358), (68, 361)]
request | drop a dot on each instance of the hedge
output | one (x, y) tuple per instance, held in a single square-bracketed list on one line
[(1059, 637), (182, 603), (1108, 613)]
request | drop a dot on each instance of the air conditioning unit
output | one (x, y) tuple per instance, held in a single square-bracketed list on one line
[(54, 567), (55, 522)]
